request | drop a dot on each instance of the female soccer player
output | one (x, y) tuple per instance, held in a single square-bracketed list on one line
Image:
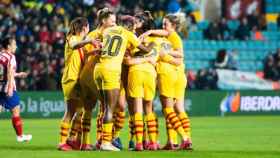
[(8, 95), (172, 89), (141, 86), (107, 71), (106, 18), (74, 58)]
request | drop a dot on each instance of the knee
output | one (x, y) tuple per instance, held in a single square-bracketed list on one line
[(148, 107), (121, 107), (108, 118), (15, 111)]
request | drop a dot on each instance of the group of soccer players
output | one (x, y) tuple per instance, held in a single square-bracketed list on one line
[(122, 63)]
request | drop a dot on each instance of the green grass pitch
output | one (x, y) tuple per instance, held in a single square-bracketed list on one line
[(213, 137)]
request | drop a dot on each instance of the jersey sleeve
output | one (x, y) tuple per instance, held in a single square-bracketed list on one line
[(73, 40), (176, 41), (132, 39), (92, 35), (167, 58), (96, 34)]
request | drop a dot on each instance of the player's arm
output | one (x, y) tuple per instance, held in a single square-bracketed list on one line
[(177, 52), (158, 32), (20, 74), (136, 43), (128, 60), (170, 59), (10, 81), (146, 49), (78, 44)]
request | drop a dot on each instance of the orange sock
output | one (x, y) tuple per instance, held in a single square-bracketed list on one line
[(185, 123), (171, 116), (86, 125), (64, 131), (131, 128), (76, 126), (118, 123), (139, 125), (107, 133), (99, 121), (152, 127)]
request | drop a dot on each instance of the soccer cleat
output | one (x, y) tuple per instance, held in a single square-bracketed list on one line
[(24, 138), (153, 146), (74, 144), (131, 145), (117, 143), (176, 146), (108, 147), (86, 147), (158, 145), (97, 145), (139, 147), (169, 146), (186, 145), (64, 147), (145, 144)]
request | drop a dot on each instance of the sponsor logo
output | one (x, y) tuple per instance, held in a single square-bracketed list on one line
[(233, 102), (230, 103)]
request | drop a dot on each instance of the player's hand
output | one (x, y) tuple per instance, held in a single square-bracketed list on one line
[(142, 37), (152, 60), (22, 75), (97, 52), (162, 53), (96, 43), (10, 92)]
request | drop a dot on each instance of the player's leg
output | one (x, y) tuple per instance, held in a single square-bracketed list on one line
[(184, 118), (17, 124), (138, 122), (98, 81), (150, 116), (131, 144), (12, 103), (136, 93), (72, 101), (110, 101), (99, 119), (65, 125), (165, 86), (119, 119), (151, 122), (86, 122), (119, 113), (167, 92), (16, 119), (108, 85), (180, 87), (75, 134)]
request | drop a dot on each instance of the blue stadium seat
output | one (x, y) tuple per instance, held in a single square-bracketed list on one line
[(259, 65), (272, 27), (233, 24), (195, 35), (203, 25)]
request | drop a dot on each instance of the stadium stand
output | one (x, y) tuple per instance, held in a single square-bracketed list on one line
[(41, 45)]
